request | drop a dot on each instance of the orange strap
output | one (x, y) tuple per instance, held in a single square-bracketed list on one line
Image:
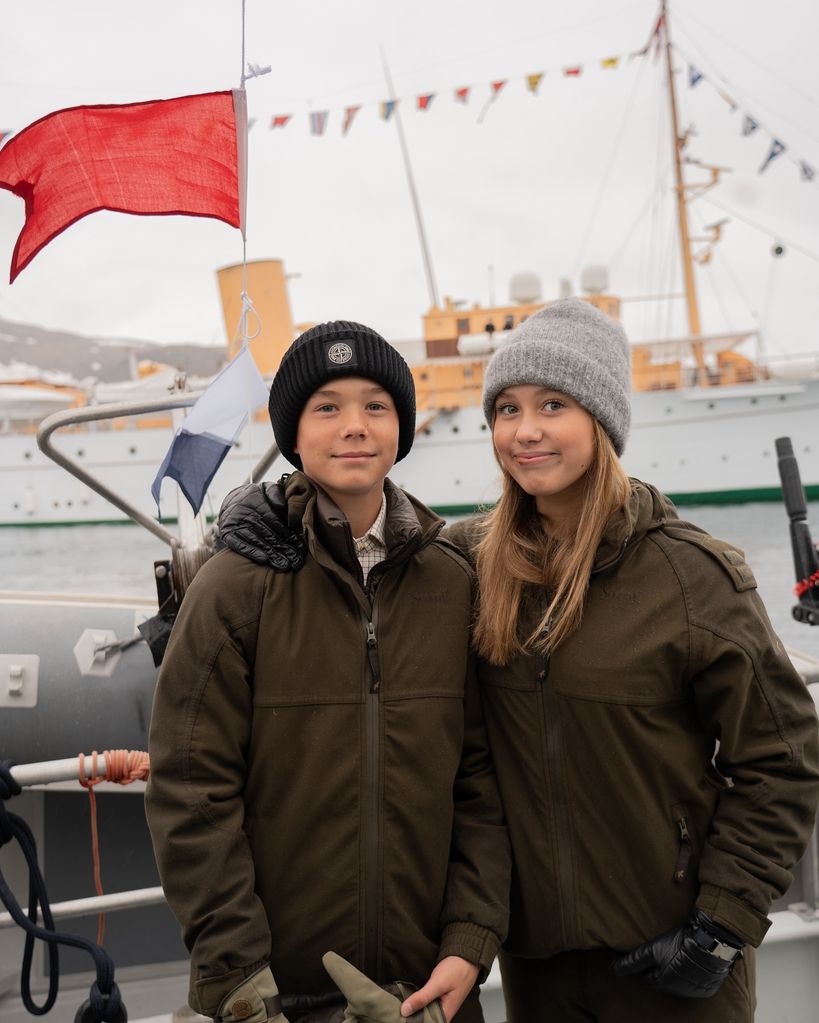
[(123, 767)]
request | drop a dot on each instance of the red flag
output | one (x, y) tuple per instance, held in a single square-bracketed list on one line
[(573, 72), (349, 114), (497, 86), (175, 156), (424, 102), (462, 94), (280, 120)]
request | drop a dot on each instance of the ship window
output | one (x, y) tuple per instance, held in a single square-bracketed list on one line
[(80, 452), (26, 454), (455, 429), (783, 397), (484, 426), (711, 404), (132, 451), (463, 326), (754, 401)]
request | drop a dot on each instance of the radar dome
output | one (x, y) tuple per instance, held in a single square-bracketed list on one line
[(524, 288), (594, 280)]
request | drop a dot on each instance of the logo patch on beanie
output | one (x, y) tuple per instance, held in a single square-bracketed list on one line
[(339, 353)]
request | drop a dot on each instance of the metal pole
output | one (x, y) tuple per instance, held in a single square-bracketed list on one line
[(98, 904), (416, 206), (47, 771)]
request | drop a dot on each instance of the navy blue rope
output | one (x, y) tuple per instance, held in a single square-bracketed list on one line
[(105, 999)]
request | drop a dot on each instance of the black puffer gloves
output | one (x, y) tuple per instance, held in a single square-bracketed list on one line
[(253, 523), (691, 961)]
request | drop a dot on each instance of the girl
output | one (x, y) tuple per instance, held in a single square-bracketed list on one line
[(656, 751)]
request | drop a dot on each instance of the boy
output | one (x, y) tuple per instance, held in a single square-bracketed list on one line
[(319, 774)]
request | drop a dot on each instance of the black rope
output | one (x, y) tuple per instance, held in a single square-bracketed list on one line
[(105, 999)]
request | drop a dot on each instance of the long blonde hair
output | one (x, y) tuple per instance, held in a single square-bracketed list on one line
[(515, 557)]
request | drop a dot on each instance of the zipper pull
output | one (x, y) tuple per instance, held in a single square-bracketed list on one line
[(372, 656), (684, 855)]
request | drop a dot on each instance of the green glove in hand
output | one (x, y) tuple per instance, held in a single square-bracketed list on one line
[(369, 1003), (255, 1000)]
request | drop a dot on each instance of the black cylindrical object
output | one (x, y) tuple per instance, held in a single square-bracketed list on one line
[(805, 557)]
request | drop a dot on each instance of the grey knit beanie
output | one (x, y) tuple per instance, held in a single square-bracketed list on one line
[(338, 349), (576, 349)]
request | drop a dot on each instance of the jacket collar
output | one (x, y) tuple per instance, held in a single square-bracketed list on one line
[(409, 525), (645, 509)]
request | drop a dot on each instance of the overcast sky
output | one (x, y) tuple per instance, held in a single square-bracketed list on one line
[(548, 183)]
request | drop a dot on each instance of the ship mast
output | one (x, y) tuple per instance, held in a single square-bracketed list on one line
[(692, 304)]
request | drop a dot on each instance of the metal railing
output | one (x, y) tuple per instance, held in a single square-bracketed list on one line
[(98, 413)]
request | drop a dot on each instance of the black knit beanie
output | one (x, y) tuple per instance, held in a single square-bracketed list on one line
[(338, 349)]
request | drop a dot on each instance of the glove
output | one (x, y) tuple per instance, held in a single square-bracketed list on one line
[(690, 961), (255, 1000), (369, 1003)]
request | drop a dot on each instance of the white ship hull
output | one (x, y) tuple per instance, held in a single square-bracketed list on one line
[(697, 445)]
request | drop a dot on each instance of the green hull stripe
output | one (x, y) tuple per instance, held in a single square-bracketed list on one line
[(699, 497)]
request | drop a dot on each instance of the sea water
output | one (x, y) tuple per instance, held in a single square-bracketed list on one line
[(118, 560)]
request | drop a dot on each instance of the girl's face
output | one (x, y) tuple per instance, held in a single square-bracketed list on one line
[(545, 441)]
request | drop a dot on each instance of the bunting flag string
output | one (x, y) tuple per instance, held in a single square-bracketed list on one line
[(749, 124), (533, 81)]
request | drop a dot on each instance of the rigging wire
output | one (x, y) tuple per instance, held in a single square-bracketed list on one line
[(748, 56), (654, 243), (618, 138), (799, 125), (764, 230)]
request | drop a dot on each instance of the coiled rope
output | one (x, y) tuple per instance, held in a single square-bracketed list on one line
[(123, 767), (105, 1002)]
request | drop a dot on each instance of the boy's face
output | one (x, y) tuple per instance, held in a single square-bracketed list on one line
[(347, 437)]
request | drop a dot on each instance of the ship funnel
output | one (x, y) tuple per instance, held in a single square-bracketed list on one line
[(594, 280), (524, 288), (267, 290)]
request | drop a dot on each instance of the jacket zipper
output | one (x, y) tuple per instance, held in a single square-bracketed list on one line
[(561, 823), (372, 806), (684, 853)]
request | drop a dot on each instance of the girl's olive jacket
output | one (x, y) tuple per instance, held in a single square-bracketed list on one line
[(320, 778), (664, 756)]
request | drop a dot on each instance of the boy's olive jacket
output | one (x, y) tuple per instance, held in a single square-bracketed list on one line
[(665, 755), (320, 778)]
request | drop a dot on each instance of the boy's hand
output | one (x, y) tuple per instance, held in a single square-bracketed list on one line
[(451, 981)]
